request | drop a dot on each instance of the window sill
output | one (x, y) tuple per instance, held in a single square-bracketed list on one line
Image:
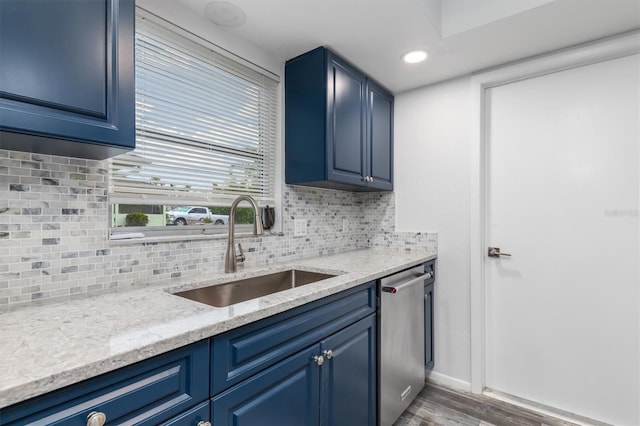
[(173, 238)]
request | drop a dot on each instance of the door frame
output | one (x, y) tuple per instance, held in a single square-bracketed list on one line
[(610, 48)]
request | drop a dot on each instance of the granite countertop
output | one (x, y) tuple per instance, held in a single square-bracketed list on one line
[(47, 347)]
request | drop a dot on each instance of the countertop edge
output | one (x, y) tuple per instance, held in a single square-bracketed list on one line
[(31, 388)]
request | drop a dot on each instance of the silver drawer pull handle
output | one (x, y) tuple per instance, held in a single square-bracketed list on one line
[(318, 359), (204, 423), (328, 354), (96, 418)]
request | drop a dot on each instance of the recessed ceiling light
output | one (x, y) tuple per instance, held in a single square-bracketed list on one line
[(415, 56), (225, 14)]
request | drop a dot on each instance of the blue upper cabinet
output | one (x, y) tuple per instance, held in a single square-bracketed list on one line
[(338, 125), (67, 77)]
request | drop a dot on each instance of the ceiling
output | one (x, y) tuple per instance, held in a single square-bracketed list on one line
[(462, 36)]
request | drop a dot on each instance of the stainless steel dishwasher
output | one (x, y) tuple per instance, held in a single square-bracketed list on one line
[(402, 371)]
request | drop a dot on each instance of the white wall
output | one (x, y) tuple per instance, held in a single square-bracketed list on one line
[(434, 143), (432, 194)]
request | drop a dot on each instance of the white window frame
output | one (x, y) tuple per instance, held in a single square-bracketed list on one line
[(119, 195)]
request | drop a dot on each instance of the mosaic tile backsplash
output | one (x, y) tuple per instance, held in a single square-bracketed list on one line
[(54, 232)]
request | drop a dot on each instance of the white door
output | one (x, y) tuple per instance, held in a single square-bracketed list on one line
[(562, 190)]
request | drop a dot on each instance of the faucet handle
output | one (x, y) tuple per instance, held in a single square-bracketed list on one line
[(240, 257)]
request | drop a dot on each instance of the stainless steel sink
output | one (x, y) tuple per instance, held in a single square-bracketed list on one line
[(250, 288)]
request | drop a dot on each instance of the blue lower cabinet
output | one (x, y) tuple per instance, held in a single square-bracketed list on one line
[(332, 383), (239, 354), (287, 393), (146, 394), (313, 365), (429, 315), (428, 326), (349, 376)]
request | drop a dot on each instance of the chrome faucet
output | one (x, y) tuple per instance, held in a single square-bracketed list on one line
[(231, 259)]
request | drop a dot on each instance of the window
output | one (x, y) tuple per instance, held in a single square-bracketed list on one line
[(205, 132)]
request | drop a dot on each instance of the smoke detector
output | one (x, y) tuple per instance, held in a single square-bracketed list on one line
[(225, 14)]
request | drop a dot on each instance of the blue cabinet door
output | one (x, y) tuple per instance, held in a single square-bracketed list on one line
[(379, 137), (346, 119), (349, 376), (67, 77), (284, 394)]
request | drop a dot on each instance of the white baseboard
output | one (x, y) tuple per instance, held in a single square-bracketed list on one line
[(461, 385), (448, 381), (544, 409)]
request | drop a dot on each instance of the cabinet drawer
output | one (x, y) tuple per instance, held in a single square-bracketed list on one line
[(146, 393), (240, 353)]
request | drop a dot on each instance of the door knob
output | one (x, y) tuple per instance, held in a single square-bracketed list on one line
[(495, 252), (328, 354), (319, 359)]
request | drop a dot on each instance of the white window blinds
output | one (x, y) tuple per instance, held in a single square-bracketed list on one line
[(205, 124)]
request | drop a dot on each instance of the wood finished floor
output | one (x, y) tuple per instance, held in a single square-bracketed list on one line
[(437, 405)]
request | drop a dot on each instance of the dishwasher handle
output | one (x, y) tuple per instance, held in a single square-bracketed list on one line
[(398, 288)]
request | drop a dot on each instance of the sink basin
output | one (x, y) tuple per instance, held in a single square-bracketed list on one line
[(251, 288)]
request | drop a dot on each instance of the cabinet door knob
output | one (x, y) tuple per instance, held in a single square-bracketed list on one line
[(328, 353), (204, 423), (318, 359), (96, 418)]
